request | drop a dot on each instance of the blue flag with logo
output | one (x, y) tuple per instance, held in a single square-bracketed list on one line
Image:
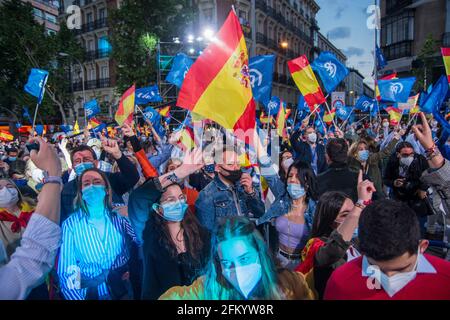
[(302, 105), (343, 112), (330, 70), (180, 67), (364, 103), (65, 128), (39, 128), (147, 94), (381, 61), (261, 76), (273, 106), (36, 83), (436, 97), (91, 108), (396, 90), (152, 115)]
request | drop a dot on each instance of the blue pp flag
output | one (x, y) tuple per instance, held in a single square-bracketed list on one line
[(152, 115), (364, 103), (436, 97), (381, 61), (273, 106), (374, 109), (330, 70), (397, 90), (302, 105), (65, 128), (147, 94), (319, 126), (36, 83), (99, 128), (180, 67), (261, 77), (91, 108), (343, 112), (39, 128)]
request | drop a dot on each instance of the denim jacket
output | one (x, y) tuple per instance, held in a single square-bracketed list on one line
[(217, 200), (283, 201)]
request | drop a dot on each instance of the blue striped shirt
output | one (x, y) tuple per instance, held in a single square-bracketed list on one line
[(84, 252)]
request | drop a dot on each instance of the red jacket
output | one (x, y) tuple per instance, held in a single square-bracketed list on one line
[(348, 283)]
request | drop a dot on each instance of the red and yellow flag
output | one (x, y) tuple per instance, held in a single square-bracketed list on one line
[(6, 136), (217, 86), (306, 81), (328, 117), (164, 111), (281, 121), (395, 114), (377, 89), (126, 107), (186, 141), (446, 57), (93, 123)]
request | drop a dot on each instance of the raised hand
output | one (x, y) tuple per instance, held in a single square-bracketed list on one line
[(127, 130), (111, 146), (365, 188), (423, 133)]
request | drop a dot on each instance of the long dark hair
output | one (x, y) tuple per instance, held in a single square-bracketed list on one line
[(327, 209), (307, 179), (192, 234)]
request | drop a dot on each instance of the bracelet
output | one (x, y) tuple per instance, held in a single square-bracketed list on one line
[(433, 154), (359, 205)]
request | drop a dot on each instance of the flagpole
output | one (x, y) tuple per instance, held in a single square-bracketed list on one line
[(329, 111), (345, 122), (34, 119)]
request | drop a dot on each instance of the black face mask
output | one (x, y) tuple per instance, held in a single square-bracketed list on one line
[(233, 175)]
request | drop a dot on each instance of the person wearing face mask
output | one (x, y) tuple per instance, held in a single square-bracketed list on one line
[(361, 158), (175, 246), (83, 158), (393, 265), (96, 244), (286, 159), (241, 268), (402, 175), (230, 193), (17, 174), (12, 154), (292, 214), (308, 150), (334, 235)]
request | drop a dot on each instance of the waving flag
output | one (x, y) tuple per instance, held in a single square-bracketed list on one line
[(65, 128), (180, 67), (446, 57), (396, 90), (343, 112), (381, 61), (330, 70), (364, 103), (377, 89), (374, 109), (36, 83), (329, 116), (92, 108), (436, 97), (126, 107), (281, 121), (147, 95), (217, 86), (263, 118), (261, 76), (76, 128), (410, 106), (164, 112), (6, 136), (39, 128), (152, 115), (273, 107), (395, 115), (306, 81), (302, 105)]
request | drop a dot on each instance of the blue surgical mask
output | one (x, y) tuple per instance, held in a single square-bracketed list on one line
[(246, 277), (363, 155), (295, 190), (12, 158), (94, 196), (209, 168), (82, 167), (173, 211)]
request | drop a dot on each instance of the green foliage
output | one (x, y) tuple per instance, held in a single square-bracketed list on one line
[(24, 44), (135, 30), (425, 57)]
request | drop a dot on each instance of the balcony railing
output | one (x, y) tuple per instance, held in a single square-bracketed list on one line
[(91, 26), (97, 54), (91, 84), (398, 50), (261, 38), (395, 5)]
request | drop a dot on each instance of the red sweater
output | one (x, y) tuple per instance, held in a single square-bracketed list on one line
[(347, 283)]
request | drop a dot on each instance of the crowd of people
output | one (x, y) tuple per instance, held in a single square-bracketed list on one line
[(349, 216)]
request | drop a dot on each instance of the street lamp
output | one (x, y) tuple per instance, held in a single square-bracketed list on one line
[(284, 44), (63, 54), (208, 34)]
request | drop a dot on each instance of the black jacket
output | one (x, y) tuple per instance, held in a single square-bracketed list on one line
[(303, 152), (338, 177), (121, 182)]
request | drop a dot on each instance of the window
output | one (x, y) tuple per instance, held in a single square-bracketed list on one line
[(102, 13), (104, 72), (91, 45), (91, 74), (398, 28), (50, 17), (89, 17), (38, 13)]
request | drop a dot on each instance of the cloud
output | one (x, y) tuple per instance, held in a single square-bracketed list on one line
[(353, 51), (340, 10), (339, 33)]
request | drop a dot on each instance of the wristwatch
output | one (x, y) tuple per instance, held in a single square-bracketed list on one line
[(51, 179)]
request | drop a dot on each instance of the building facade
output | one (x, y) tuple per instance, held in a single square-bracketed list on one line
[(286, 28), (405, 26), (98, 69), (46, 13), (354, 84)]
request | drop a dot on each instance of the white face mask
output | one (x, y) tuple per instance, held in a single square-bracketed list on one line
[(398, 281), (312, 137), (245, 278), (385, 124), (8, 197), (406, 161)]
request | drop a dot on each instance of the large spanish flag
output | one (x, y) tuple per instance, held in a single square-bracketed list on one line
[(446, 57), (217, 86), (306, 81), (126, 107)]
